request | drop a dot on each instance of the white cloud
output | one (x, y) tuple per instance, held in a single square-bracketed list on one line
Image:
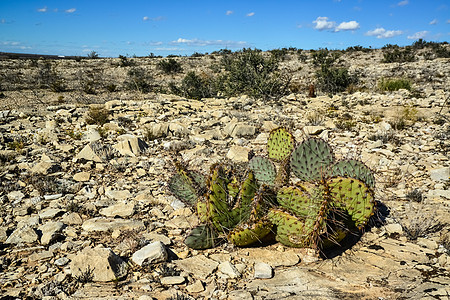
[(44, 9), (198, 42), (250, 14), (433, 22), (229, 12), (145, 18), (352, 25), (418, 35), (403, 3), (322, 23), (70, 10), (159, 18), (448, 21), (382, 33)]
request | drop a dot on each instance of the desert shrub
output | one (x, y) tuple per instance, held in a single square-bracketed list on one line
[(138, 80), (93, 55), (249, 72), (398, 55), (125, 62), (279, 54), (98, 115), (195, 86), (334, 80), (48, 78), (394, 84), (324, 57), (111, 87), (170, 66)]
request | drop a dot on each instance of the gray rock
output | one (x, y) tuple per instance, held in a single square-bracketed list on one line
[(109, 224), (152, 253), (50, 213), (51, 231), (243, 130), (122, 209), (441, 174), (24, 234), (240, 295), (87, 153), (263, 270), (157, 130), (172, 280), (130, 145), (393, 228), (104, 264), (229, 269), (62, 261), (117, 194), (200, 266), (15, 196)]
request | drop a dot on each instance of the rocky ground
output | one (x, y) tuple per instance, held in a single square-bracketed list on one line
[(86, 213)]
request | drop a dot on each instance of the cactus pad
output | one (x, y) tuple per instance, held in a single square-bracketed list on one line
[(353, 196), (201, 237), (181, 186), (280, 144), (311, 159), (354, 169), (264, 170), (244, 235), (290, 229)]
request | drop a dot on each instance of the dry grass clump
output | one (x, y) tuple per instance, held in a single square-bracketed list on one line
[(97, 115)]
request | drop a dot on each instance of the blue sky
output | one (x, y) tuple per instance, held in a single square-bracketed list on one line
[(112, 28)]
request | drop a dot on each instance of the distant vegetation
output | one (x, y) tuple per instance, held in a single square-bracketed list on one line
[(225, 73)]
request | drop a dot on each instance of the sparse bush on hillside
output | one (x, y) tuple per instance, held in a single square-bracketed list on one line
[(195, 86), (334, 80), (92, 55), (139, 80), (170, 66), (394, 84), (399, 56), (325, 57), (48, 78), (98, 115), (249, 72)]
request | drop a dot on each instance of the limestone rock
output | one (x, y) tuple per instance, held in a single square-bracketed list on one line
[(109, 224), (152, 253), (24, 234), (104, 264), (263, 270), (200, 266), (130, 145), (50, 232), (238, 154), (121, 209)]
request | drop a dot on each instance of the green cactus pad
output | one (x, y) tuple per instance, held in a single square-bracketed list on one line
[(290, 229), (245, 235), (248, 190), (280, 144), (353, 196), (296, 201), (201, 237), (264, 170), (311, 159), (181, 186), (354, 169)]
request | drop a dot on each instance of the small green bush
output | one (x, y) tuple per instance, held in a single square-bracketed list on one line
[(399, 56), (334, 80), (138, 80), (391, 85), (195, 86), (98, 115), (250, 72), (170, 66)]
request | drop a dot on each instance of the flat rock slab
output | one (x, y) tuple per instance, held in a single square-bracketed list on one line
[(103, 264), (121, 209), (271, 257), (24, 234), (200, 266), (105, 224)]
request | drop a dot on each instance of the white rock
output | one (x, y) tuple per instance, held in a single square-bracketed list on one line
[(152, 253), (229, 269), (172, 280), (263, 270), (24, 234), (122, 209), (441, 174), (50, 232), (238, 154)]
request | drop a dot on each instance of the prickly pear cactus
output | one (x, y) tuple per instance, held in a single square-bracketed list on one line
[(331, 200)]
